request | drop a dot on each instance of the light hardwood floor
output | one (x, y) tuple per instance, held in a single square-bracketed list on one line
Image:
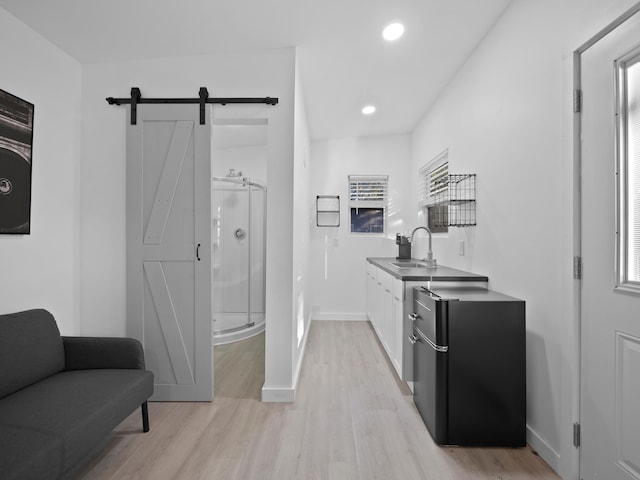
[(352, 419)]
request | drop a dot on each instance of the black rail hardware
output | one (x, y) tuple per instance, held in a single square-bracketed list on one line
[(203, 98)]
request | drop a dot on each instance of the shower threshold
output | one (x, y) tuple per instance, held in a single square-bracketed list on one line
[(234, 329), (238, 333)]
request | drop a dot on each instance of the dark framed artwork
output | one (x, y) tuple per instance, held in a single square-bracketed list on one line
[(16, 144)]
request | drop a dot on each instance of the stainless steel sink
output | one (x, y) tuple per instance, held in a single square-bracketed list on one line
[(408, 264)]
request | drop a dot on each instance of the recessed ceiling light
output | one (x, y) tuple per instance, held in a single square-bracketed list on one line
[(393, 31), (368, 110)]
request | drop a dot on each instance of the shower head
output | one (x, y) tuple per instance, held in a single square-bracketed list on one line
[(232, 173)]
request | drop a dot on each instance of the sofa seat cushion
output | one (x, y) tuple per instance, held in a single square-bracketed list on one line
[(81, 407), (44, 454)]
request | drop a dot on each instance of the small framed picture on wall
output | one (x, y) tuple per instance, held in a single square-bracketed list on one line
[(16, 145)]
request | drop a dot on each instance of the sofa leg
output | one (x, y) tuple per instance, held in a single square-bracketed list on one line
[(145, 417)]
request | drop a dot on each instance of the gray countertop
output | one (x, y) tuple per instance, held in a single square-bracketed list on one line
[(423, 274)]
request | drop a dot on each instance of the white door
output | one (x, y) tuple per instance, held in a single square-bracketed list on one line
[(168, 248), (610, 343)]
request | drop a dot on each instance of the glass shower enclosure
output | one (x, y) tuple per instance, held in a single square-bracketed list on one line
[(238, 257)]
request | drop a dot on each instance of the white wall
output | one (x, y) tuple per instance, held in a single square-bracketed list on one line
[(301, 222), (337, 257), (253, 74), (506, 116), (40, 270), (250, 160)]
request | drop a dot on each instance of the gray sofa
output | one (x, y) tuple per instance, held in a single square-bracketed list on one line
[(60, 397)]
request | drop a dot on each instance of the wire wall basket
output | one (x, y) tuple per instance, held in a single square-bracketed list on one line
[(452, 202)]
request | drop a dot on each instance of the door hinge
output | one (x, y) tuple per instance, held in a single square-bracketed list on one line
[(576, 435), (577, 267), (577, 101)]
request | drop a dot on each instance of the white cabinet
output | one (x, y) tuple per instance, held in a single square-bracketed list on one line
[(384, 310), (390, 301)]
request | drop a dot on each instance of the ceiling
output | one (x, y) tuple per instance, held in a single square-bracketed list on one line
[(344, 62)]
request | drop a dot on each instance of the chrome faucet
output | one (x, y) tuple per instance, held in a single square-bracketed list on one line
[(430, 261)]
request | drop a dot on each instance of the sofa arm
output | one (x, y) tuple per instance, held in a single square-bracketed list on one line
[(85, 353)]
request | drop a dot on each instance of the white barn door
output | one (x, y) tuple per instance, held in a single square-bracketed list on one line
[(168, 248)]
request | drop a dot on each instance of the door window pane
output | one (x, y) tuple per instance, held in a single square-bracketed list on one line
[(628, 129), (633, 177)]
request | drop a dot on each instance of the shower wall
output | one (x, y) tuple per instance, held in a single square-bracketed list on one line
[(250, 160), (241, 147)]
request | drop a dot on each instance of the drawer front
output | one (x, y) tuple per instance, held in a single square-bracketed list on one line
[(429, 316)]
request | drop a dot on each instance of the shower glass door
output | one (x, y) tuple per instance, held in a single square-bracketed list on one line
[(257, 226), (231, 253)]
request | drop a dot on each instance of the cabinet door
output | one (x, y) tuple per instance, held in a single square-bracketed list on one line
[(397, 335), (368, 296), (387, 328), (379, 309), (373, 302)]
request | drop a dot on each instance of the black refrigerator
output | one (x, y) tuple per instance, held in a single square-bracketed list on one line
[(469, 360)]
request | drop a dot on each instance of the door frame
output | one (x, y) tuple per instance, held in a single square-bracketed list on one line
[(577, 222)]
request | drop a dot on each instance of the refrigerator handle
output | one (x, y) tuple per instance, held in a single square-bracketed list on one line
[(413, 339), (422, 305), (437, 348)]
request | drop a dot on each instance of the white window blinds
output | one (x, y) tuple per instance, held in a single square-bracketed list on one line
[(434, 183), (368, 190)]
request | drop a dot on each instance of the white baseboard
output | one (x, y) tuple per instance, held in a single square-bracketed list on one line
[(351, 317), (275, 395), (546, 452)]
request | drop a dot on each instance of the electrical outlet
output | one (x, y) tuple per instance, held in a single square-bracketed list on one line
[(461, 247)]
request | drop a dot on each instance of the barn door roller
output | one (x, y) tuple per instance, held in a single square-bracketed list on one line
[(203, 98)]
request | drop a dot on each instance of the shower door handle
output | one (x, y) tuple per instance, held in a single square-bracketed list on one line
[(198, 252)]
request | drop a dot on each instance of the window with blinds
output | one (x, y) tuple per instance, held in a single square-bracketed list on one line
[(629, 177), (368, 203), (368, 189), (434, 180), (434, 192)]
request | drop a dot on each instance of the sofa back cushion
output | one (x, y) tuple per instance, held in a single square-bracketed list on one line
[(30, 349)]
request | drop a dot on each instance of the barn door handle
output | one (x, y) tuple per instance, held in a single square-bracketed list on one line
[(198, 252)]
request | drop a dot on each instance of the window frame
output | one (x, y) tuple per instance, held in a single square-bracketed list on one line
[(361, 202)]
